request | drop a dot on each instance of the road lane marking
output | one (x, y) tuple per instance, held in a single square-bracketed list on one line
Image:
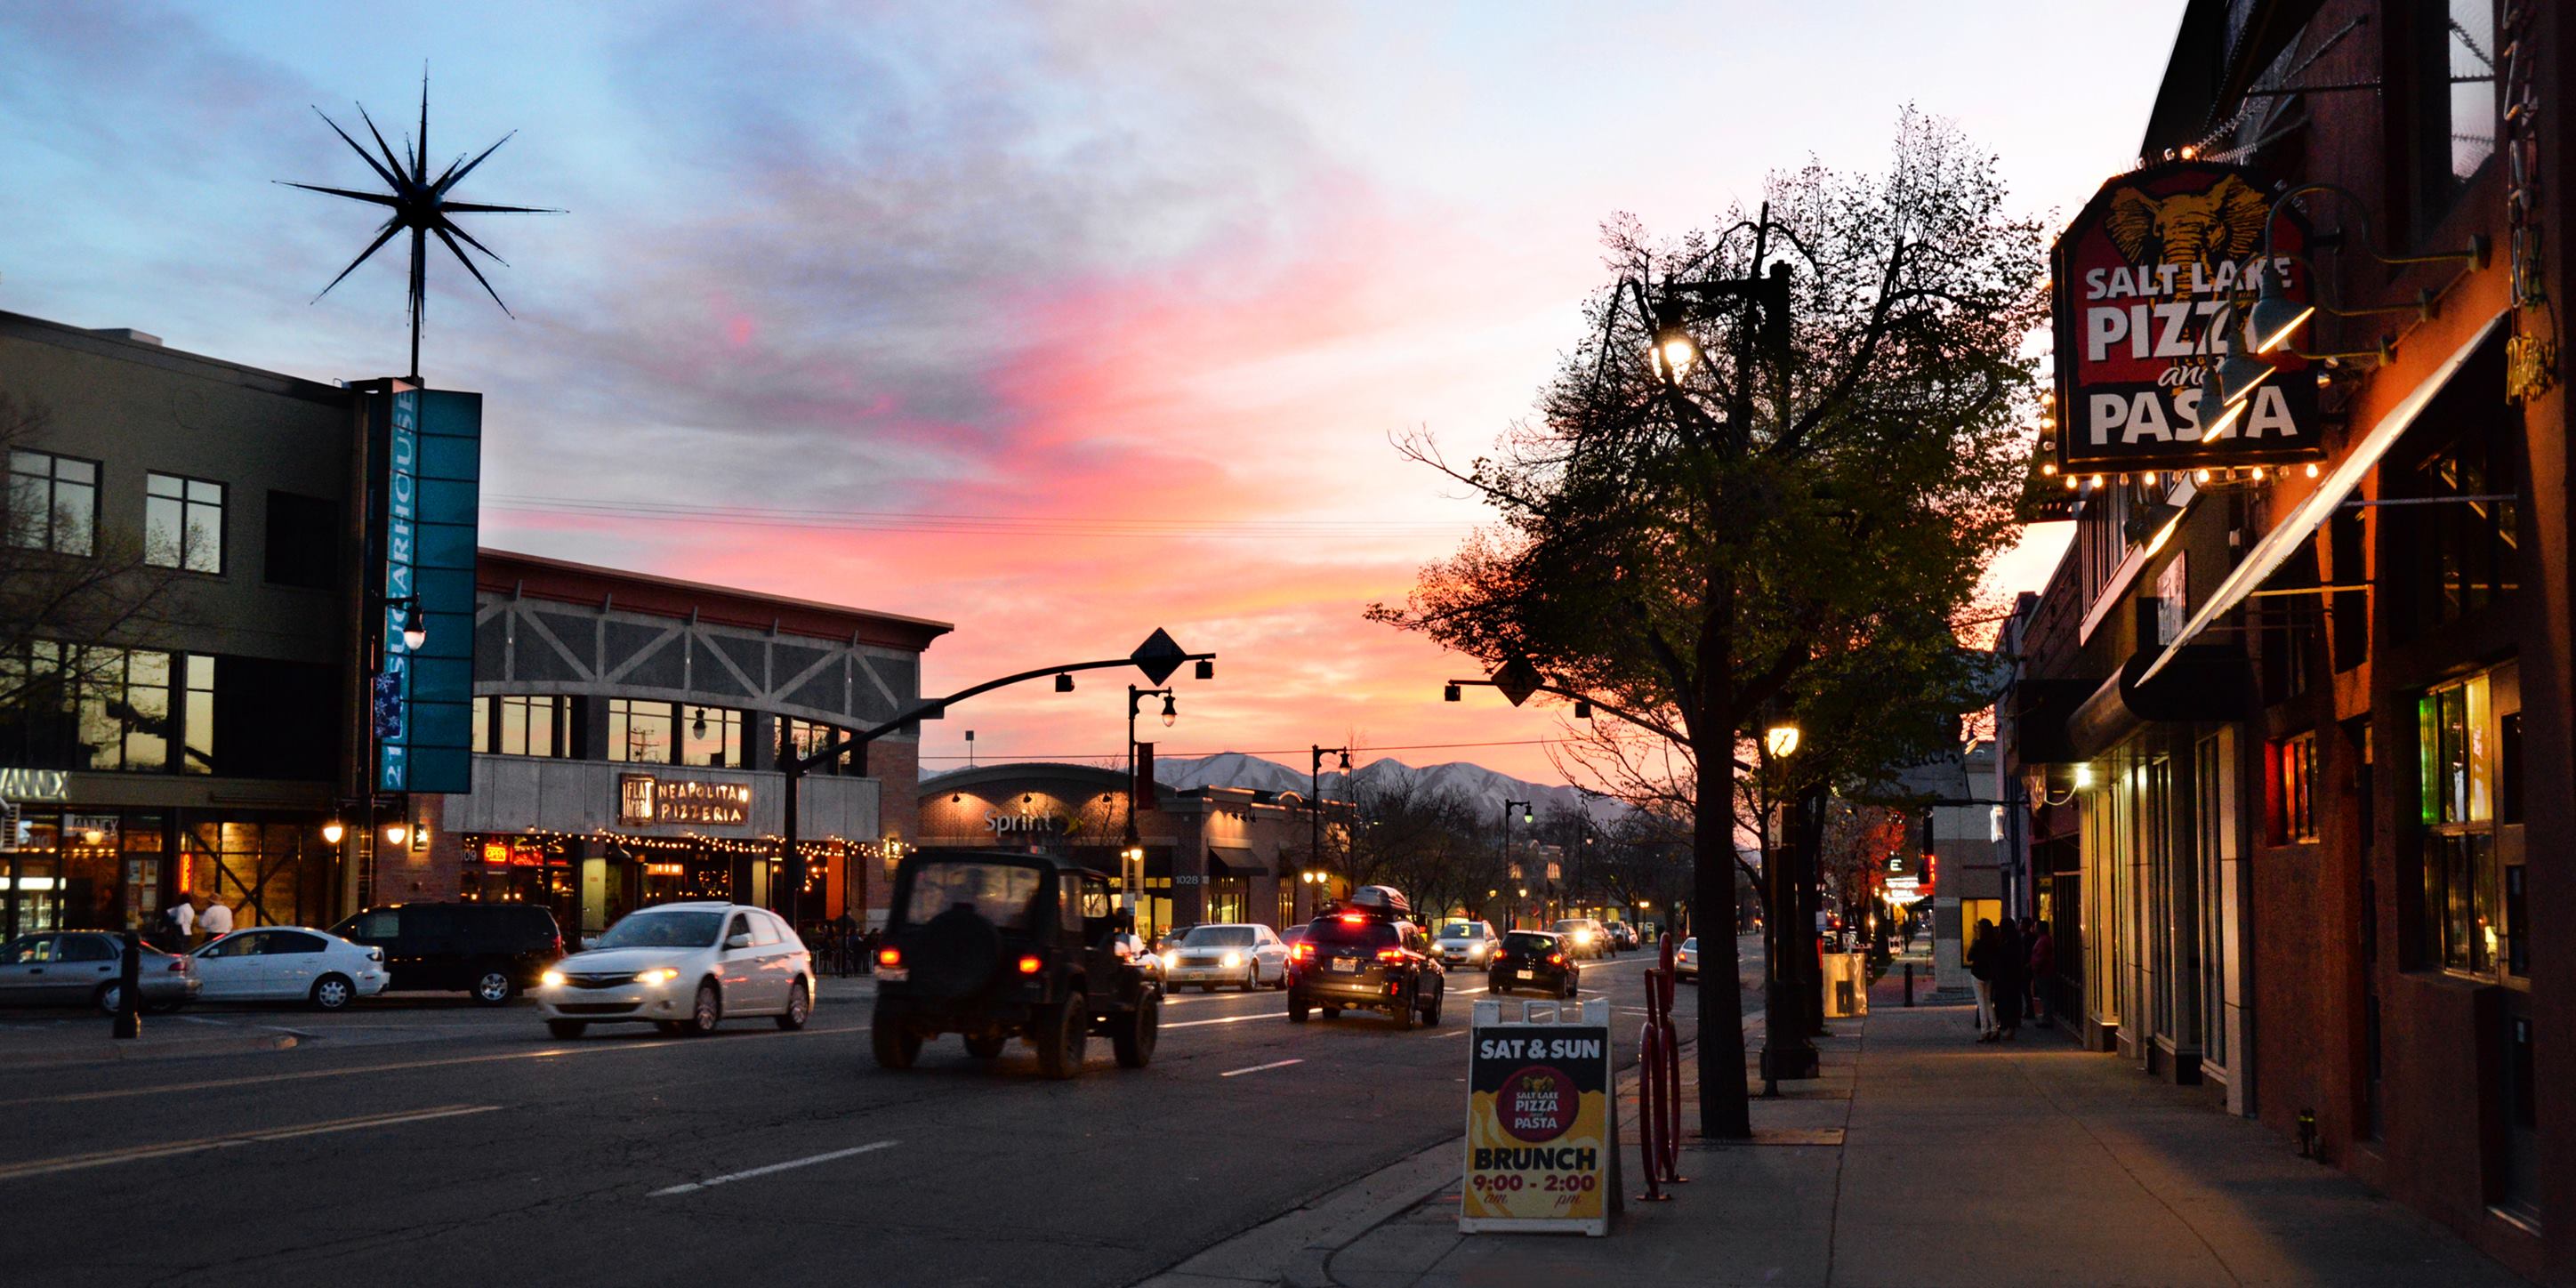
[(1226, 1019), (172, 1149), (729, 1178), (1275, 1064), (400, 1066)]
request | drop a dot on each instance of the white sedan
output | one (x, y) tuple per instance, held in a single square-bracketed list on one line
[(1245, 955), (1686, 959), (289, 964), (685, 967)]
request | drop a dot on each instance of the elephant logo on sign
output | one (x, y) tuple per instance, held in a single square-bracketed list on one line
[(2221, 225)]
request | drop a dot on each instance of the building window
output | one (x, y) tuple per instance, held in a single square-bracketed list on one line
[(2456, 112), (807, 737), (197, 716), (303, 546), (2455, 755), (481, 735), (70, 706), (531, 726), (640, 732), (53, 503), (2292, 771), (712, 736), (183, 523)]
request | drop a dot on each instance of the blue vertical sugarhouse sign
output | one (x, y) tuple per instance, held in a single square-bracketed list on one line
[(423, 499)]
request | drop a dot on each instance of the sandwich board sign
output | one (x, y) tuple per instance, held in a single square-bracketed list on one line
[(1542, 1125)]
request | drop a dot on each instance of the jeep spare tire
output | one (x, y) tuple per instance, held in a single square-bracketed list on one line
[(954, 956)]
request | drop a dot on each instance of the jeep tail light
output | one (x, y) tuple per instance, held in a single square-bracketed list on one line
[(889, 956), (1390, 954), (1029, 964)]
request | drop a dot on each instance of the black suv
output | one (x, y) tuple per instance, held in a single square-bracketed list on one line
[(1002, 945), (1367, 954), (493, 950)]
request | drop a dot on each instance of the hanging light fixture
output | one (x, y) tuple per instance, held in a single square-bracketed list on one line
[(1171, 713)]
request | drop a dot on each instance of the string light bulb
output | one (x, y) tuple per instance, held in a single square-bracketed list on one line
[(2311, 470), (2048, 469), (2200, 476)]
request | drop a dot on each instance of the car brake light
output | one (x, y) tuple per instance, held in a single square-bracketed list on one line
[(889, 956), (1029, 965), (178, 965), (1354, 919), (1556, 958), (1390, 954), (1301, 953)]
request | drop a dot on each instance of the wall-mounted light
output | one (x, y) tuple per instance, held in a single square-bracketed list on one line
[(698, 726), (333, 831), (2083, 777), (396, 833)]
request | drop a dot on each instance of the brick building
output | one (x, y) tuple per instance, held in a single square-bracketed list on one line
[(2289, 709)]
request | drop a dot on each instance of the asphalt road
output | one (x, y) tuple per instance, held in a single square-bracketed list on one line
[(430, 1142)]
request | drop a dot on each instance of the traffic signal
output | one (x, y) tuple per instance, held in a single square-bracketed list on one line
[(1927, 834)]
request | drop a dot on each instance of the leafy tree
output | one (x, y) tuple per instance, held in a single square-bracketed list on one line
[(1720, 498)]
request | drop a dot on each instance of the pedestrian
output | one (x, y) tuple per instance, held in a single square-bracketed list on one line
[(216, 920), (845, 941), (2012, 975), (181, 921), (2043, 964), (1981, 967)]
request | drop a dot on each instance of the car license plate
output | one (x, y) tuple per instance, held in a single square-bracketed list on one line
[(1529, 974), (1345, 965)]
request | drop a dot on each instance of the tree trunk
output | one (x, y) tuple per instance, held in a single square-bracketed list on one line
[(1725, 1112)]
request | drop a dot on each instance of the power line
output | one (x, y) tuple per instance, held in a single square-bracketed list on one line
[(1160, 754), (971, 524)]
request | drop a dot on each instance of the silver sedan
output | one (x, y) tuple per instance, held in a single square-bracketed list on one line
[(83, 968)]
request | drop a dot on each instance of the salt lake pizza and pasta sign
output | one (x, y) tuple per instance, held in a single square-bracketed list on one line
[(2152, 285)]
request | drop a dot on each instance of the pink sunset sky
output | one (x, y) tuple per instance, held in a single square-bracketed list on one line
[(1059, 323)]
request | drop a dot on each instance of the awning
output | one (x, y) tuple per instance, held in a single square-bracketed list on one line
[(2286, 537), (2207, 684), (1229, 861)]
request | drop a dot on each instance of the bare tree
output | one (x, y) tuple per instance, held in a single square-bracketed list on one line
[(71, 593)]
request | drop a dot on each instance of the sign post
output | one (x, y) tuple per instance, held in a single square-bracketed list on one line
[(1542, 1123)]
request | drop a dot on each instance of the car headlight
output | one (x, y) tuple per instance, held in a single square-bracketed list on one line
[(551, 979), (1583, 936), (1232, 960), (657, 975), (1169, 958), (1475, 951)]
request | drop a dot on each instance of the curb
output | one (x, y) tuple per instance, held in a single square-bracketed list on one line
[(116, 1051)]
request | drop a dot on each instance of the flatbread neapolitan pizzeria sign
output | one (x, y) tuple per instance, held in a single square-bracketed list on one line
[(2153, 283)]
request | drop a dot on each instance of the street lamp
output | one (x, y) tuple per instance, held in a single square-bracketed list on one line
[(333, 831), (1786, 1051), (396, 834)]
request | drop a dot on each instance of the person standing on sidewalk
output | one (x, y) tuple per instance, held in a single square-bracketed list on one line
[(216, 920), (181, 917), (2012, 975), (2043, 963), (1981, 967)]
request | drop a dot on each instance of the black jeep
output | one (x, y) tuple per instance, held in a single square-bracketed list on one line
[(1001, 945)]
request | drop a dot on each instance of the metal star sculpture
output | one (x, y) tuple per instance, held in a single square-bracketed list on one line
[(420, 205)]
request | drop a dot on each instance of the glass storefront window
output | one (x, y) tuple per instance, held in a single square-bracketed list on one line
[(2456, 773), (640, 732)]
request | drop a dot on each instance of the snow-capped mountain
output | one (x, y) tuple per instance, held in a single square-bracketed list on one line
[(1486, 787)]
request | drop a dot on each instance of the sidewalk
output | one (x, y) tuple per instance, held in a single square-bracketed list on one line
[(82, 1037), (1919, 1160)]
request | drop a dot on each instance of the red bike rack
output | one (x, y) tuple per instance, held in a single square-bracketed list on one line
[(1659, 1081)]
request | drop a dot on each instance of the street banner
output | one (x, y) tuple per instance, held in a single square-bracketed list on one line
[(1542, 1127)]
